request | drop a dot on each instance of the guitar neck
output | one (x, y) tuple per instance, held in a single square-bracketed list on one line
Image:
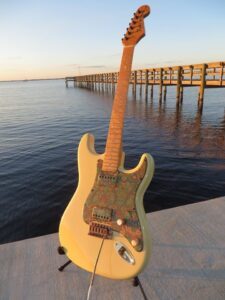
[(113, 148)]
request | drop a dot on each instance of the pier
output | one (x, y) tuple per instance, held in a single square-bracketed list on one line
[(188, 262), (206, 75)]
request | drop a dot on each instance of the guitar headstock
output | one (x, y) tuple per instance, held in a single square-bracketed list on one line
[(136, 30)]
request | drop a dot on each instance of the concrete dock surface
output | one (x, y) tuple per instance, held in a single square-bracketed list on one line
[(188, 262)]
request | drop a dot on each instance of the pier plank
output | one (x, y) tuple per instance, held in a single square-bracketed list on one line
[(188, 262)]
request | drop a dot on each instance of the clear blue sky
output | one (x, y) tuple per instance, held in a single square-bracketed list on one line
[(43, 39)]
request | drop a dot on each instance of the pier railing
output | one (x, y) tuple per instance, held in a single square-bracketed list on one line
[(206, 75)]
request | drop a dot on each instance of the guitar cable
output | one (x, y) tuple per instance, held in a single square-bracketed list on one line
[(94, 271)]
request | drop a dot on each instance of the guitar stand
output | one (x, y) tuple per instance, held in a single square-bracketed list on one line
[(135, 281), (62, 252)]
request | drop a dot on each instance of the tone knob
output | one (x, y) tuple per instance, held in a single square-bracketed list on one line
[(120, 222), (135, 242)]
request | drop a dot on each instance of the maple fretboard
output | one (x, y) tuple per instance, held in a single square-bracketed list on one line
[(113, 148)]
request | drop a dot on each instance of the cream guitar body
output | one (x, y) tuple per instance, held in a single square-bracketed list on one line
[(82, 248), (104, 230)]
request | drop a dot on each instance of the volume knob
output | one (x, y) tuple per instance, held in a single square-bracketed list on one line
[(135, 242), (120, 222)]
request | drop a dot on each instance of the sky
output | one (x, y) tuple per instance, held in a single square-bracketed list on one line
[(53, 39)]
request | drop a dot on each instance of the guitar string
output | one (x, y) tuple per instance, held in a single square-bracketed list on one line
[(94, 271)]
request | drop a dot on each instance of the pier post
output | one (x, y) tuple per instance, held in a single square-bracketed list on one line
[(135, 83), (99, 83), (160, 83), (152, 90), (102, 81), (146, 84), (191, 74), (178, 84), (165, 92), (171, 72), (112, 80), (140, 82), (181, 93), (221, 73), (107, 80), (114, 83), (66, 82), (152, 87), (202, 87)]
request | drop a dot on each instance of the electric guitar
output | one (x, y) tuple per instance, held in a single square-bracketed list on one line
[(108, 202)]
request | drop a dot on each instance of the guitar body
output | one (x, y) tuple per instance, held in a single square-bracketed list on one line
[(74, 231), (104, 229)]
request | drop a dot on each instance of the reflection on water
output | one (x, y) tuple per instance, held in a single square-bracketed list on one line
[(40, 127), (192, 135)]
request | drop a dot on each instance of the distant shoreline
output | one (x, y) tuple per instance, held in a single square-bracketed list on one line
[(39, 79)]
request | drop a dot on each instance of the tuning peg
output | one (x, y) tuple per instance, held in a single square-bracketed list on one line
[(130, 28)]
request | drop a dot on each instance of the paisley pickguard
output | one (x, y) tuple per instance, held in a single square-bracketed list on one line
[(112, 198)]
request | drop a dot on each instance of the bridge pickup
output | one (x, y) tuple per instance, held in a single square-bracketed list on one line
[(100, 230)]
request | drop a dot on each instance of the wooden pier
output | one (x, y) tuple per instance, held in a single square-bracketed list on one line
[(206, 75), (188, 262)]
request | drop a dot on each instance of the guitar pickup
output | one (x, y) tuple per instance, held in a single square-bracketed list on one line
[(107, 178), (102, 214)]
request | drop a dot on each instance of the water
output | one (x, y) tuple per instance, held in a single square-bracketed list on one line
[(41, 123)]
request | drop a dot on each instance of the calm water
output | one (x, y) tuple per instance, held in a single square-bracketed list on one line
[(41, 123)]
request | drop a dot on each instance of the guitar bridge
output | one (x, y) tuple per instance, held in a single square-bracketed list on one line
[(100, 230)]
